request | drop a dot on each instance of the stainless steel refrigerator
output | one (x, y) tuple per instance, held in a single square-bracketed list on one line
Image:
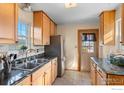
[(56, 48)]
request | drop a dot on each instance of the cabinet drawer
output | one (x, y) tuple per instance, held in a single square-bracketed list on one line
[(102, 73)]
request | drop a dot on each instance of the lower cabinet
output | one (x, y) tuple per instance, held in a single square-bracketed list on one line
[(39, 80), (38, 77), (93, 74), (26, 81), (47, 76), (115, 80), (42, 76), (54, 69), (99, 77), (100, 80)]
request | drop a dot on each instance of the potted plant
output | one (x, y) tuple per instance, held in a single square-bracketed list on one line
[(23, 48)]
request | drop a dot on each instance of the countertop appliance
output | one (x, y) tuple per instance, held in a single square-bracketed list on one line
[(56, 48)]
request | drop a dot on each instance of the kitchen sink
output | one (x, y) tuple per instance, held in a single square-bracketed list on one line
[(29, 66), (41, 60)]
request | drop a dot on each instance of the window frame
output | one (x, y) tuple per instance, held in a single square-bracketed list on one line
[(26, 36)]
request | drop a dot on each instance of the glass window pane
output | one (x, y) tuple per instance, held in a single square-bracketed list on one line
[(91, 43), (87, 43)]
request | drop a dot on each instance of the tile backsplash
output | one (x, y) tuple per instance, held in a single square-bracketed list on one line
[(13, 48)]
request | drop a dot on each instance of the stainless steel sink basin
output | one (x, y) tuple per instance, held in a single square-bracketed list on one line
[(41, 60), (30, 66)]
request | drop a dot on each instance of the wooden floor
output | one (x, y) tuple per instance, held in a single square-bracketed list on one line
[(74, 78)]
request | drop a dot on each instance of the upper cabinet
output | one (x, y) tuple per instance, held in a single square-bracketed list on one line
[(37, 28), (122, 23), (52, 28), (46, 30), (107, 27), (8, 23), (43, 28)]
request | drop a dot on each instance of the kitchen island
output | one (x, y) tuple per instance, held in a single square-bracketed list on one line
[(105, 73)]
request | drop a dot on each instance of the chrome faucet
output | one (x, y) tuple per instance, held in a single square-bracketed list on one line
[(28, 51)]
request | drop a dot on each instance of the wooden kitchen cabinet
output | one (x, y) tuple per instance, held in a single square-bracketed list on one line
[(26, 81), (93, 73), (115, 80), (41, 28), (47, 74), (101, 77), (55, 29), (42, 76), (100, 80), (38, 77), (52, 28), (54, 69), (39, 80), (37, 28), (122, 23), (8, 23), (104, 77), (46, 30), (107, 27)]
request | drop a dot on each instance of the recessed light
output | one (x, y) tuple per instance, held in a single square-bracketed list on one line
[(70, 5)]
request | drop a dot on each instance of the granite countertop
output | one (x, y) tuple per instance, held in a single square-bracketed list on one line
[(107, 67), (17, 75), (13, 78)]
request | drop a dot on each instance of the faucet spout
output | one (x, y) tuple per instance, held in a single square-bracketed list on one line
[(28, 52)]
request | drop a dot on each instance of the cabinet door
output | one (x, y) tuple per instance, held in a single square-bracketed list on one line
[(48, 75), (122, 23), (55, 68), (55, 29), (8, 23), (39, 80), (53, 73), (100, 80), (93, 75), (46, 30), (37, 28), (38, 77), (101, 33), (109, 28), (26, 81), (52, 28)]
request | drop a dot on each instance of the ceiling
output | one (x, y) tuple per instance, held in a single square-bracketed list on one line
[(83, 13)]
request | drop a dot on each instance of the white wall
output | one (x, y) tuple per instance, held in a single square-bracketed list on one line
[(69, 31)]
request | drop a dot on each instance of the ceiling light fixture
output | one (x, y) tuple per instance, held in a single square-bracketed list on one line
[(70, 5)]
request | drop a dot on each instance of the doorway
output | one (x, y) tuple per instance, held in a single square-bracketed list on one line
[(87, 47)]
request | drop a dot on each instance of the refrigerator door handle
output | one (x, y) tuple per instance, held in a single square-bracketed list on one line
[(63, 59)]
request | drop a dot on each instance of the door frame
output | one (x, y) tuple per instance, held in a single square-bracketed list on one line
[(79, 32)]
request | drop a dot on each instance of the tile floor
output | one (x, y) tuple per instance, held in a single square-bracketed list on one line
[(74, 78)]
